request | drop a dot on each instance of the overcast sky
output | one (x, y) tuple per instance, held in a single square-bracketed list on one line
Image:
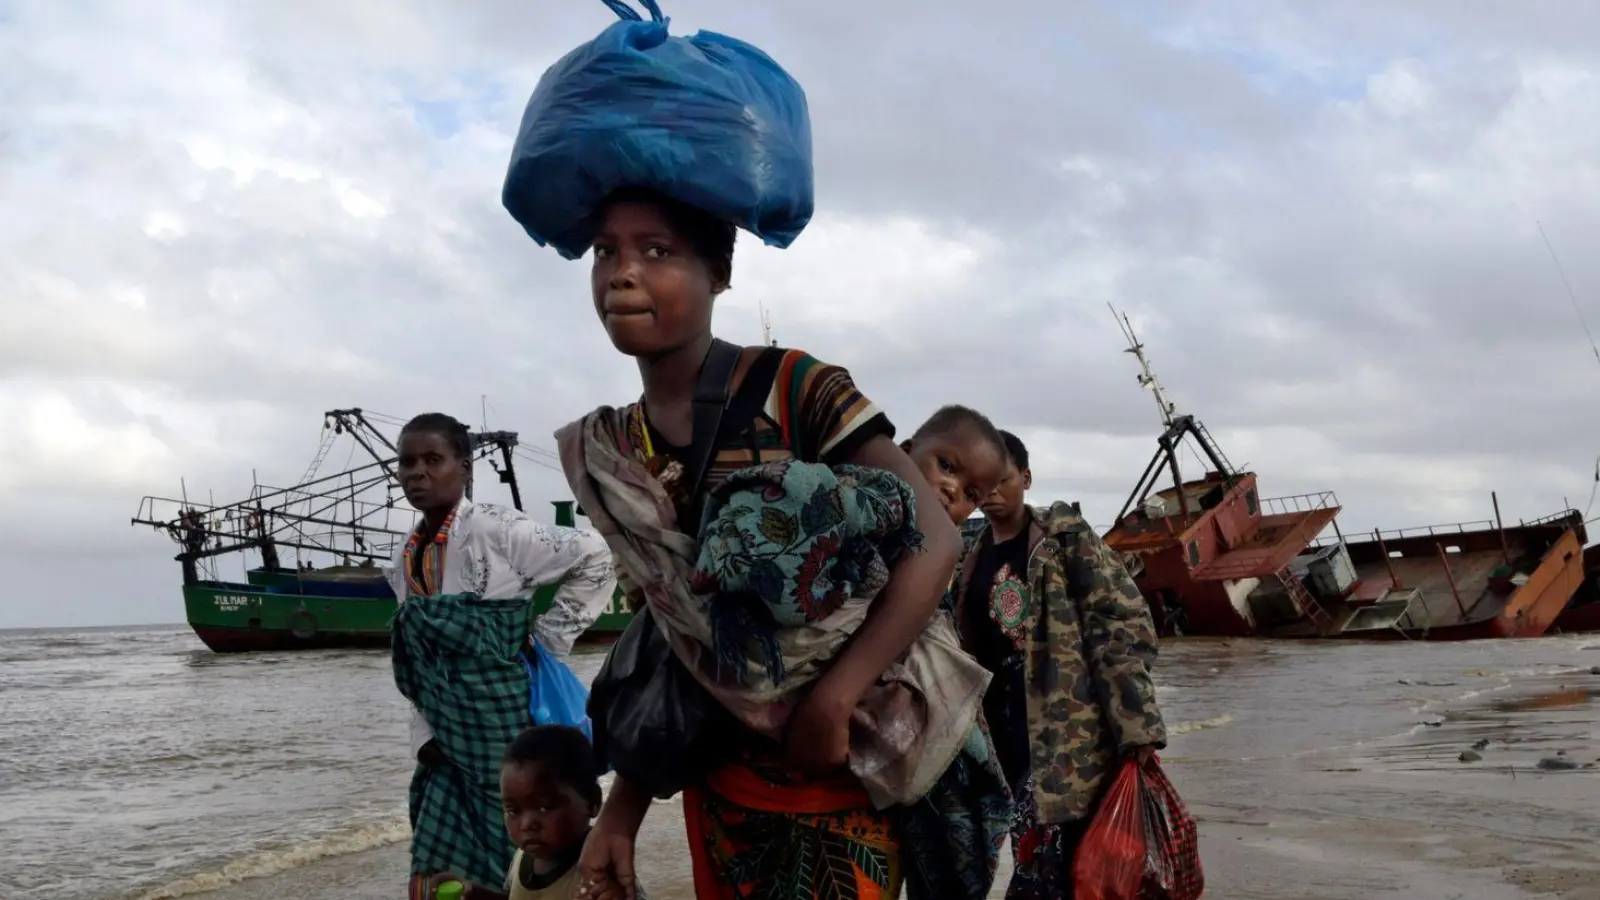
[(218, 220)]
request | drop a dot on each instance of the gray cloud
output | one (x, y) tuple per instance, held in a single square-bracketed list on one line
[(218, 221)]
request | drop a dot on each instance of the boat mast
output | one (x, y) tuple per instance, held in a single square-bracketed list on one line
[(1147, 377), (484, 443), (766, 326), (1178, 426), (354, 423)]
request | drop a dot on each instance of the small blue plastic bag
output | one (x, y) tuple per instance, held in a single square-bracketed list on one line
[(556, 696), (707, 120)]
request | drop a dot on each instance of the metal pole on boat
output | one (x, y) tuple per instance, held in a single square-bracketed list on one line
[(1139, 490), (1505, 548), (1444, 560), (1388, 563), (510, 476), (1171, 447)]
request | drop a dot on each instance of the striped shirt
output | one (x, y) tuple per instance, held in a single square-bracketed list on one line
[(827, 417)]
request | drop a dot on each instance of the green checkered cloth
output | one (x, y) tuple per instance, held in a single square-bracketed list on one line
[(458, 657)]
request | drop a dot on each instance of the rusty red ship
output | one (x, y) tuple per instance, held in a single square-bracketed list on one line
[(1215, 557)]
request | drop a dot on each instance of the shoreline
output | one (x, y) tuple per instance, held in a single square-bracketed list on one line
[(1297, 794), (1249, 853), (1244, 861)]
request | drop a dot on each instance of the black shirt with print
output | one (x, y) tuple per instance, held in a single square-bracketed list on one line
[(996, 594)]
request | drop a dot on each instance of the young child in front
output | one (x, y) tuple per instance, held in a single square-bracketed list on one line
[(550, 790)]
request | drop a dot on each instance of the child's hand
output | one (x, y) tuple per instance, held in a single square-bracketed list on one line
[(602, 889), (606, 866)]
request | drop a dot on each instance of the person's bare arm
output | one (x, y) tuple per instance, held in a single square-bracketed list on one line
[(624, 808), (901, 612), (607, 861)]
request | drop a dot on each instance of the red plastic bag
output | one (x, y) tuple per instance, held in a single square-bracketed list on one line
[(1142, 844), (1110, 863)]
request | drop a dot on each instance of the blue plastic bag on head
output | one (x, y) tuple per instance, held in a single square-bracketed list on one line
[(707, 120), (556, 696)]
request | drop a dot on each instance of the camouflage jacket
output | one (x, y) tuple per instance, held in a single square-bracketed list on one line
[(1088, 658)]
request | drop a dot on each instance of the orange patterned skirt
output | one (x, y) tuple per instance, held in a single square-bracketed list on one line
[(753, 827)]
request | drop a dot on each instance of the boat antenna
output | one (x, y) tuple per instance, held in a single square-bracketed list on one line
[(766, 325), (1147, 377)]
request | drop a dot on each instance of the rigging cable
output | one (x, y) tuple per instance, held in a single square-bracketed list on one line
[(534, 460), (1572, 297)]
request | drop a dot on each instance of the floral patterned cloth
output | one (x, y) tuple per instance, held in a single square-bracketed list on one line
[(789, 545), (756, 830)]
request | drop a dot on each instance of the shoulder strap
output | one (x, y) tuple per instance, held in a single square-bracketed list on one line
[(754, 393), (710, 399)]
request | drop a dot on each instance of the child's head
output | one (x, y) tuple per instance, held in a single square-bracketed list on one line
[(658, 264), (962, 455), (550, 788), (435, 462), (1006, 500)]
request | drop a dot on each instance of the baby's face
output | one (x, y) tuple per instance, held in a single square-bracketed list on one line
[(961, 467), (545, 816)]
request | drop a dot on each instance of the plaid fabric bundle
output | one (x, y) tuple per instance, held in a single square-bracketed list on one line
[(458, 658), (1172, 840)]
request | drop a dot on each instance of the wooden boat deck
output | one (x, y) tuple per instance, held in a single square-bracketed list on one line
[(1279, 539), (1470, 570)]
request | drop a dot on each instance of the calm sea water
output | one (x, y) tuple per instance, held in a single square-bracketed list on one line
[(136, 764)]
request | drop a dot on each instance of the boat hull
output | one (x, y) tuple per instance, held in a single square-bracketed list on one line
[(1578, 620), (255, 640), (234, 618), (274, 614), (1582, 615)]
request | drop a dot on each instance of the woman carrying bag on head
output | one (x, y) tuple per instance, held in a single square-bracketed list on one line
[(781, 803), (787, 670)]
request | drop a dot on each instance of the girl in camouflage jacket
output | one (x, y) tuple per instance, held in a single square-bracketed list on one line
[(1043, 603)]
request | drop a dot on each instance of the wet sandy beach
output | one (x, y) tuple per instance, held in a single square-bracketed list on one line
[(1250, 852), (1329, 772)]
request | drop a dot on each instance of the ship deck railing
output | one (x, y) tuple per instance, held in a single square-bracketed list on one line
[(1416, 531), (1552, 519), (1298, 503)]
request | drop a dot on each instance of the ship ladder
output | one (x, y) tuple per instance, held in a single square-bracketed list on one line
[(1200, 429), (1306, 603), (322, 453)]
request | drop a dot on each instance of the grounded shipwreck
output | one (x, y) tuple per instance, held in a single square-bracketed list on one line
[(1214, 557)]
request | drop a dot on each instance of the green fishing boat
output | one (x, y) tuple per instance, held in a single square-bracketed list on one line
[(338, 518)]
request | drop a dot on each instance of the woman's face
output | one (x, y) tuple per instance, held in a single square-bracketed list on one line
[(961, 466), (431, 474), (651, 291)]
